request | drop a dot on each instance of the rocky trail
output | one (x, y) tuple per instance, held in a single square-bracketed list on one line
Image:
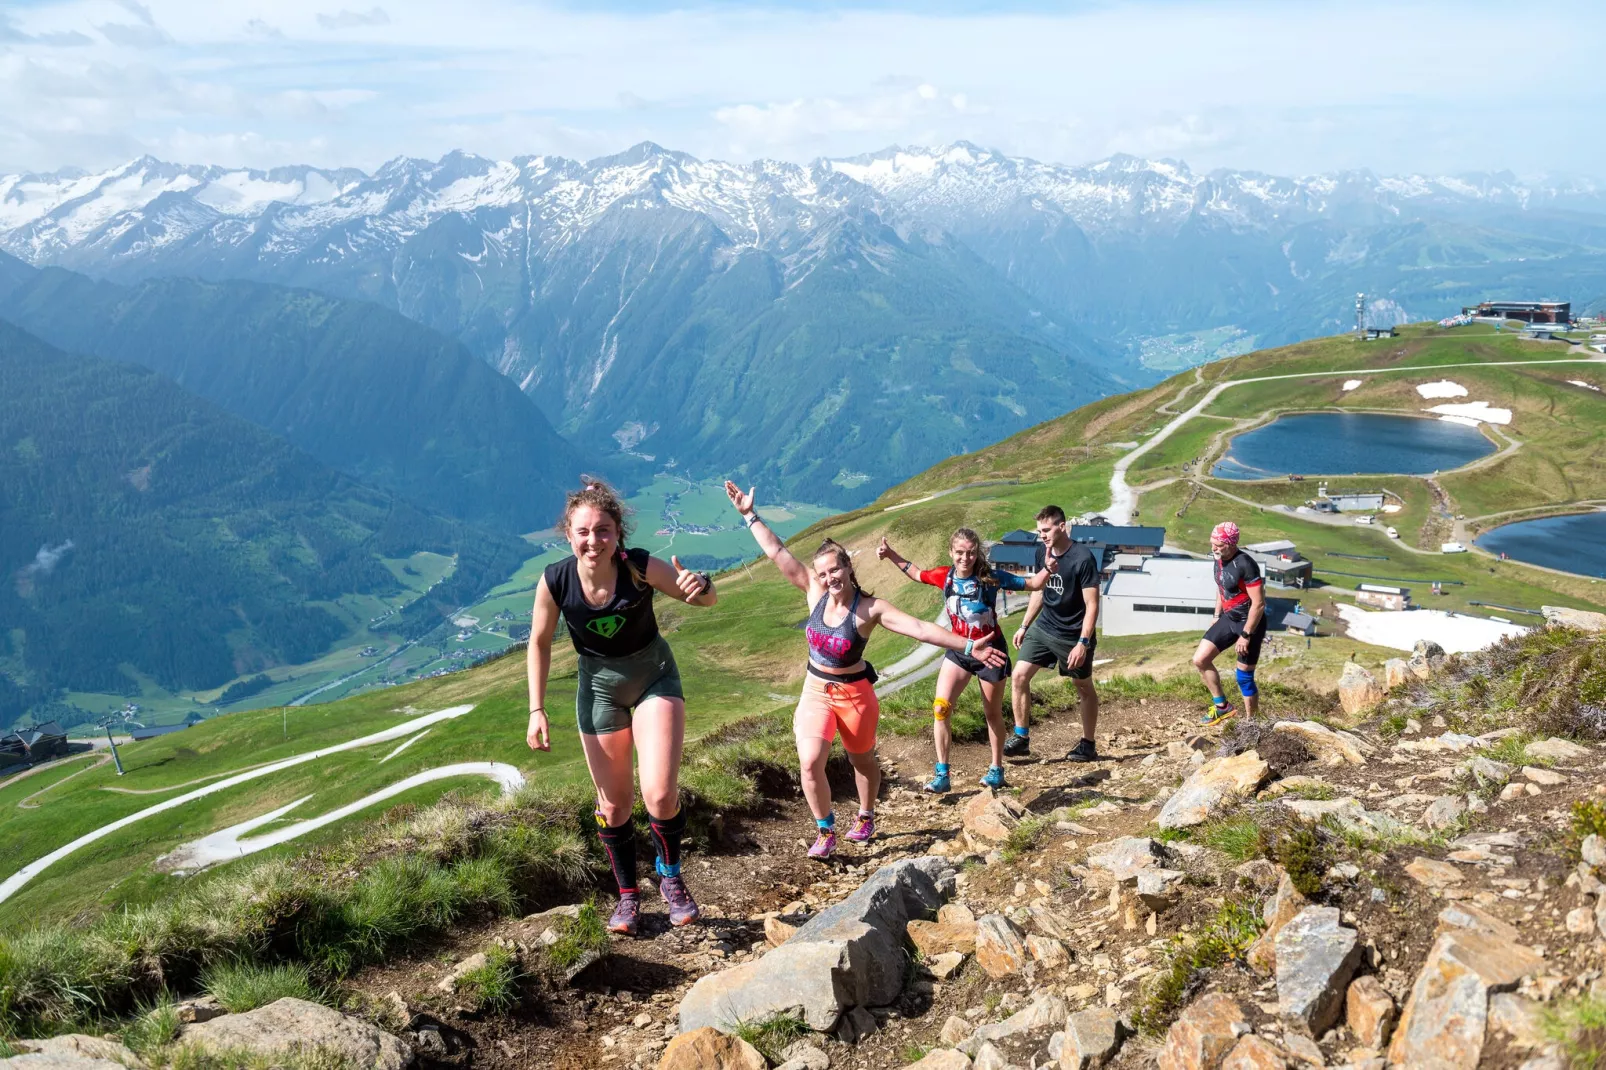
[(1285, 893)]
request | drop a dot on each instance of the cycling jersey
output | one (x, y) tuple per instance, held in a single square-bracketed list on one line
[(1234, 578), (972, 603)]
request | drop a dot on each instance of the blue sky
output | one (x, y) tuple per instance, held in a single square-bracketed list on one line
[(1290, 88)]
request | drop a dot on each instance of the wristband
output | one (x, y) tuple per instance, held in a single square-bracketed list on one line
[(1084, 641), (708, 583), (752, 518), (537, 709), (970, 644), (904, 568)]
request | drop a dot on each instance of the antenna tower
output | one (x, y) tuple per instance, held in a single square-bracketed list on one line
[(1360, 315)]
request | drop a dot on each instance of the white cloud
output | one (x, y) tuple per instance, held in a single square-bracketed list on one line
[(1289, 89)]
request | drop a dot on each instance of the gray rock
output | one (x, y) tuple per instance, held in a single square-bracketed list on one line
[(1092, 1037), (71, 1051), (1158, 889), (1210, 787), (989, 1058), (942, 1059), (290, 1025), (50, 1061), (1488, 772), (850, 955), (1126, 857), (1593, 851), (855, 1025), (1315, 958), (1045, 1012), (801, 1055), (1557, 750), (1444, 812)]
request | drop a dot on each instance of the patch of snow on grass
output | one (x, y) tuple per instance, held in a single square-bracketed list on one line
[(1351, 384), (1586, 386), (1455, 632), (1444, 388), (1474, 412)]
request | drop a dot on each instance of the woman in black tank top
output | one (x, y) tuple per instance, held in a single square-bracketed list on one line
[(838, 688), (629, 694)]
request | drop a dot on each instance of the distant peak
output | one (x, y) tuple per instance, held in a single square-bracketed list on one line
[(643, 152)]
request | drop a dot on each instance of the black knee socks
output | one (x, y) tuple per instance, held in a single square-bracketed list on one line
[(619, 843), (666, 834)]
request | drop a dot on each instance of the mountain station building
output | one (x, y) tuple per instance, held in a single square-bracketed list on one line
[(1526, 311), (1168, 594), (1019, 552)]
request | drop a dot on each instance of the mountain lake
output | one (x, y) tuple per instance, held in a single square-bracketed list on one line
[(1573, 543), (1351, 443)]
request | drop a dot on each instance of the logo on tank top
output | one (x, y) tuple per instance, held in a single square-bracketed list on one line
[(607, 627), (1054, 589), (834, 646)]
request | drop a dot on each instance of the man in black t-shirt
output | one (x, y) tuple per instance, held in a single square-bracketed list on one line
[(1240, 622), (1058, 632)]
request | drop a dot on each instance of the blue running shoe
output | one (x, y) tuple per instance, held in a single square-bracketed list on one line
[(939, 784), (994, 777)]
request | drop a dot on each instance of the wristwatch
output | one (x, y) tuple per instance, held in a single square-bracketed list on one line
[(1083, 641)]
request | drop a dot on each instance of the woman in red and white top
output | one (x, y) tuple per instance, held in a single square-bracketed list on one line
[(970, 594)]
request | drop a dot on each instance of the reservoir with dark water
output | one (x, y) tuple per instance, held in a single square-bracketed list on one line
[(1350, 443), (1574, 543)]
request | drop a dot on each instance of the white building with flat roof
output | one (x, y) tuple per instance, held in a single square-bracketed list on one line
[(1169, 594)]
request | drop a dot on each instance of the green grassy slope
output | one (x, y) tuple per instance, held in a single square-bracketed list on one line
[(745, 656)]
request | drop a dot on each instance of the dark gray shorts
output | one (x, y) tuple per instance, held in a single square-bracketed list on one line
[(611, 688), (1050, 651)]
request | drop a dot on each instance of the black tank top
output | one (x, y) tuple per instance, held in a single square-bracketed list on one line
[(839, 647), (624, 625)]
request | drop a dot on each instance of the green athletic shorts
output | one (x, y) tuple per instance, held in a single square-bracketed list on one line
[(610, 688), (1050, 651)]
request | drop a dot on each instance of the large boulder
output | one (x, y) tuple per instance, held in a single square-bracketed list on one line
[(1582, 619), (1369, 1012), (1315, 958), (1557, 750), (71, 1051), (1358, 690), (1205, 1033), (1283, 907), (1334, 748), (1396, 672), (850, 955), (1447, 1014), (1213, 784), (289, 1026), (709, 1049), (1427, 658)]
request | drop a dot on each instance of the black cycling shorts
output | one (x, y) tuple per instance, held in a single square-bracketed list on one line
[(979, 669), (1226, 631)]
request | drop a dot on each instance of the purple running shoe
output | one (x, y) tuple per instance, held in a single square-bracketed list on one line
[(626, 917), (825, 846), (863, 828), (682, 907)]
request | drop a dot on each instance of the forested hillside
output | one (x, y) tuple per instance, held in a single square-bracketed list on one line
[(146, 531), (364, 390)]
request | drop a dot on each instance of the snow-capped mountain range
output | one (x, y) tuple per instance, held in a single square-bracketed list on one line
[(146, 206), (796, 304)]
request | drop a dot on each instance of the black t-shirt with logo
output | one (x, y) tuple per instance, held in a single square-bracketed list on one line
[(624, 625), (1064, 604)]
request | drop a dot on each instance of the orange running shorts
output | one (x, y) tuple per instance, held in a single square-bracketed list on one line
[(828, 707)]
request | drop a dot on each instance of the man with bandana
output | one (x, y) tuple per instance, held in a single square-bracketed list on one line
[(1240, 622)]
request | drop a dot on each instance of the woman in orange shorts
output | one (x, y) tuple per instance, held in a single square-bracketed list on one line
[(839, 689)]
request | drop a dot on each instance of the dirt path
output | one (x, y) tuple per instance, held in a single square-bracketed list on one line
[(29, 804)]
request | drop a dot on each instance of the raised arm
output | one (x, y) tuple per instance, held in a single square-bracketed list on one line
[(894, 619), (768, 541), (537, 661), (886, 553), (678, 582)]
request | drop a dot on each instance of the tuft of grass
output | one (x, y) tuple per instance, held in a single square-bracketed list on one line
[(1588, 819), (153, 1028), (1392, 725), (1225, 938), (190, 1057), (494, 987), (1512, 750), (913, 1053), (245, 986), (1161, 835), (1301, 851), (1024, 837), (773, 1035), (1314, 792), (1578, 1028), (576, 937), (1239, 837)]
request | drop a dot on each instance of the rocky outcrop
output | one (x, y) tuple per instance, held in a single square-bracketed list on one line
[(1044, 1012), (1358, 690), (988, 819), (72, 1051), (1315, 958), (1369, 1012), (1446, 1017), (999, 948), (1582, 619), (1283, 907), (1214, 783), (709, 1049), (1125, 858), (850, 955), (289, 1026), (1396, 673)]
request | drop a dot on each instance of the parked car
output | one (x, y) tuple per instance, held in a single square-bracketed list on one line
[(1367, 519), (1393, 533), (1452, 548)]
